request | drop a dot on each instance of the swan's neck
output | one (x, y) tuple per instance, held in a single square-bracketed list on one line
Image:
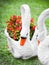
[(41, 20), (25, 13)]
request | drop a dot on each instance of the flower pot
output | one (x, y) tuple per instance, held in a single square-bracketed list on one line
[(18, 51)]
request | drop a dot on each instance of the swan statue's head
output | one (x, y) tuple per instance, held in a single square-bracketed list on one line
[(25, 14), (40, 31)]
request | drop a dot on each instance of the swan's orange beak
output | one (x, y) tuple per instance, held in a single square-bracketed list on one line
[(38, 42), (22, 41)]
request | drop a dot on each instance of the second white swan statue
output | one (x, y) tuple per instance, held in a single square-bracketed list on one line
[(43, 48)]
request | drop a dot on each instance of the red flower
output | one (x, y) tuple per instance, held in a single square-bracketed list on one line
[(14, 16), (11, 23), (33, 28), (19, 17), (17, 21), (20, 28), (11, 29), (14, 36), (16, 27), (32, 20), (20, 23)]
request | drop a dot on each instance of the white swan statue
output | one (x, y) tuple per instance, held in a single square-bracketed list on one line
[(43, 48), (24, 48)]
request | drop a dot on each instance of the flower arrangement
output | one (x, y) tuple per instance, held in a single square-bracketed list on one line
[(14, 26)]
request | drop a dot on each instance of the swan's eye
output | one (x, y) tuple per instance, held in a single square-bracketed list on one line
[(27, 34), (36, 36)]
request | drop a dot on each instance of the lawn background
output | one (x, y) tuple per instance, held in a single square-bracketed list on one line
[(12, 7)]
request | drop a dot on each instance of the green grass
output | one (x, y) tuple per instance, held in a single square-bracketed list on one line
[(12, 7)]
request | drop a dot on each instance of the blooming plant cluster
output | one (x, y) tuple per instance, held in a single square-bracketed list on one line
[(14, 26), (32, 28)]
